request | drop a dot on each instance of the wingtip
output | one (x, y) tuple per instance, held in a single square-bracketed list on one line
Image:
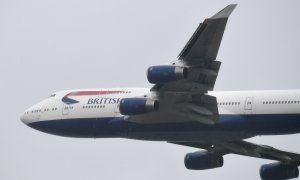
[(225, 13)]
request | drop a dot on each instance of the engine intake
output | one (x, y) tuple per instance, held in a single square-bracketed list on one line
[(135, 106), (202, 160), (164, 74), (278, 171)]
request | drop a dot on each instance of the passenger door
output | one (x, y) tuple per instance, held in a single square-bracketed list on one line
[(65, 109), (249, 104), (117, 111)]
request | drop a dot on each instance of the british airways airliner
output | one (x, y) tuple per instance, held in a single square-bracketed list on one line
[(182, 108)]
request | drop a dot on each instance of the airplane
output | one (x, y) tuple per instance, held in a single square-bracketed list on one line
[(182, 108)]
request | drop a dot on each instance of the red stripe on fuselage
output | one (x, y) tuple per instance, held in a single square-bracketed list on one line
[(92, 93)]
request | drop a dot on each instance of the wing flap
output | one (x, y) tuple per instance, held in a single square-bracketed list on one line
[(261, 151)]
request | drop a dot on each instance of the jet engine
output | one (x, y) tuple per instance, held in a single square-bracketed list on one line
[(135, 106), (164, 74), (202, 160), (278, 171)]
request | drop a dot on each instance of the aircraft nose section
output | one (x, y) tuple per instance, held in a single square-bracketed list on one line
[(24, 118)]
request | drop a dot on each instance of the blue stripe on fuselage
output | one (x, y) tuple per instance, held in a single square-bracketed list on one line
[(231, 127)]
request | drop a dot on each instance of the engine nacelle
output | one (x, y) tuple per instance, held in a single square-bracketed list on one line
[(135, 106), (164, 74), (202, 160), (278, 171)]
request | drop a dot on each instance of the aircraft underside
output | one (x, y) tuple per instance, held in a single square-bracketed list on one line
[(229, 128)]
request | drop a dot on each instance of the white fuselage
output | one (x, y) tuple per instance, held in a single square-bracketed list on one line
[(242, 114)]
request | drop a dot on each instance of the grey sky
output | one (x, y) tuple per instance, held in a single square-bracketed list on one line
[(52, 45)]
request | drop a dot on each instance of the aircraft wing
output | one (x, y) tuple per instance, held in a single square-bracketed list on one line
[(204, 45), (247, 149), (186, 99), (199, 55)]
